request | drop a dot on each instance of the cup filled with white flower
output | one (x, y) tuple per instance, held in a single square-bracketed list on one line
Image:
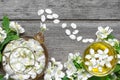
[(23, 58), (100, 59)]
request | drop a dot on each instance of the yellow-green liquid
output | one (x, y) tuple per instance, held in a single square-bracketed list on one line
[(102, 46)]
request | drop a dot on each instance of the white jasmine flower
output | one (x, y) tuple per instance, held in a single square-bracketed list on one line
[(71, 69), (102, 33), (43, 27), (8, 69), (91, 64), (3, 35), (105, 58), (83, 75), (23, 60), (16, 27), (98, 59), (20, 77), (58, 64), (118, 55), (54, 71), (112, 42), (69, 65), (103, 54), (91, 55), (6, 76), (32, 73)]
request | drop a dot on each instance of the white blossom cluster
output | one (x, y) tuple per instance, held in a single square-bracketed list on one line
[(99, 59), (72, 72), (103, 33), (118, 55), (3, 35), (13, 26), (54, 71), (16, 27), (23, 59)]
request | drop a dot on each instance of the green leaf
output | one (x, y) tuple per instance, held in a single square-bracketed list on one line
[(5, 24), (117, 48), (78, 66), (2, 77), (110, 36), (65, 78), (7, 40), (117, 68), (99, 78), (0, 57)]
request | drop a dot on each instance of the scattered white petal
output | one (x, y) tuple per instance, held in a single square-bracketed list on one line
[(56, 21), (73, 37), (100, 69), (75, 31), (40, 12), (49, 11), (33, 76), (100, 51), (106, 50), (64, 25), (73, 25), (108, 65), (118, 55), (79, 38), (92, 51), (110, 58), (90, 68), (68, 32), (85, 40), (87, 63), (49, 16), (43, 18), (91, 40), (55, 15), (102, 63), (6, 76), (88, 56)]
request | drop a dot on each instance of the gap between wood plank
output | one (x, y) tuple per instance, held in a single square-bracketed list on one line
[(66, 20)]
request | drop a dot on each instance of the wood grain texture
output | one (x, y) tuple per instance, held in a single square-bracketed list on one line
[(67, 9)]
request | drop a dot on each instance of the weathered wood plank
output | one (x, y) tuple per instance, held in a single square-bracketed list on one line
[(70, 9), (59, 45)]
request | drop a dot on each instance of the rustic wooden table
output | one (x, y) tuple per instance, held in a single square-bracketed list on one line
[(87, 14)]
